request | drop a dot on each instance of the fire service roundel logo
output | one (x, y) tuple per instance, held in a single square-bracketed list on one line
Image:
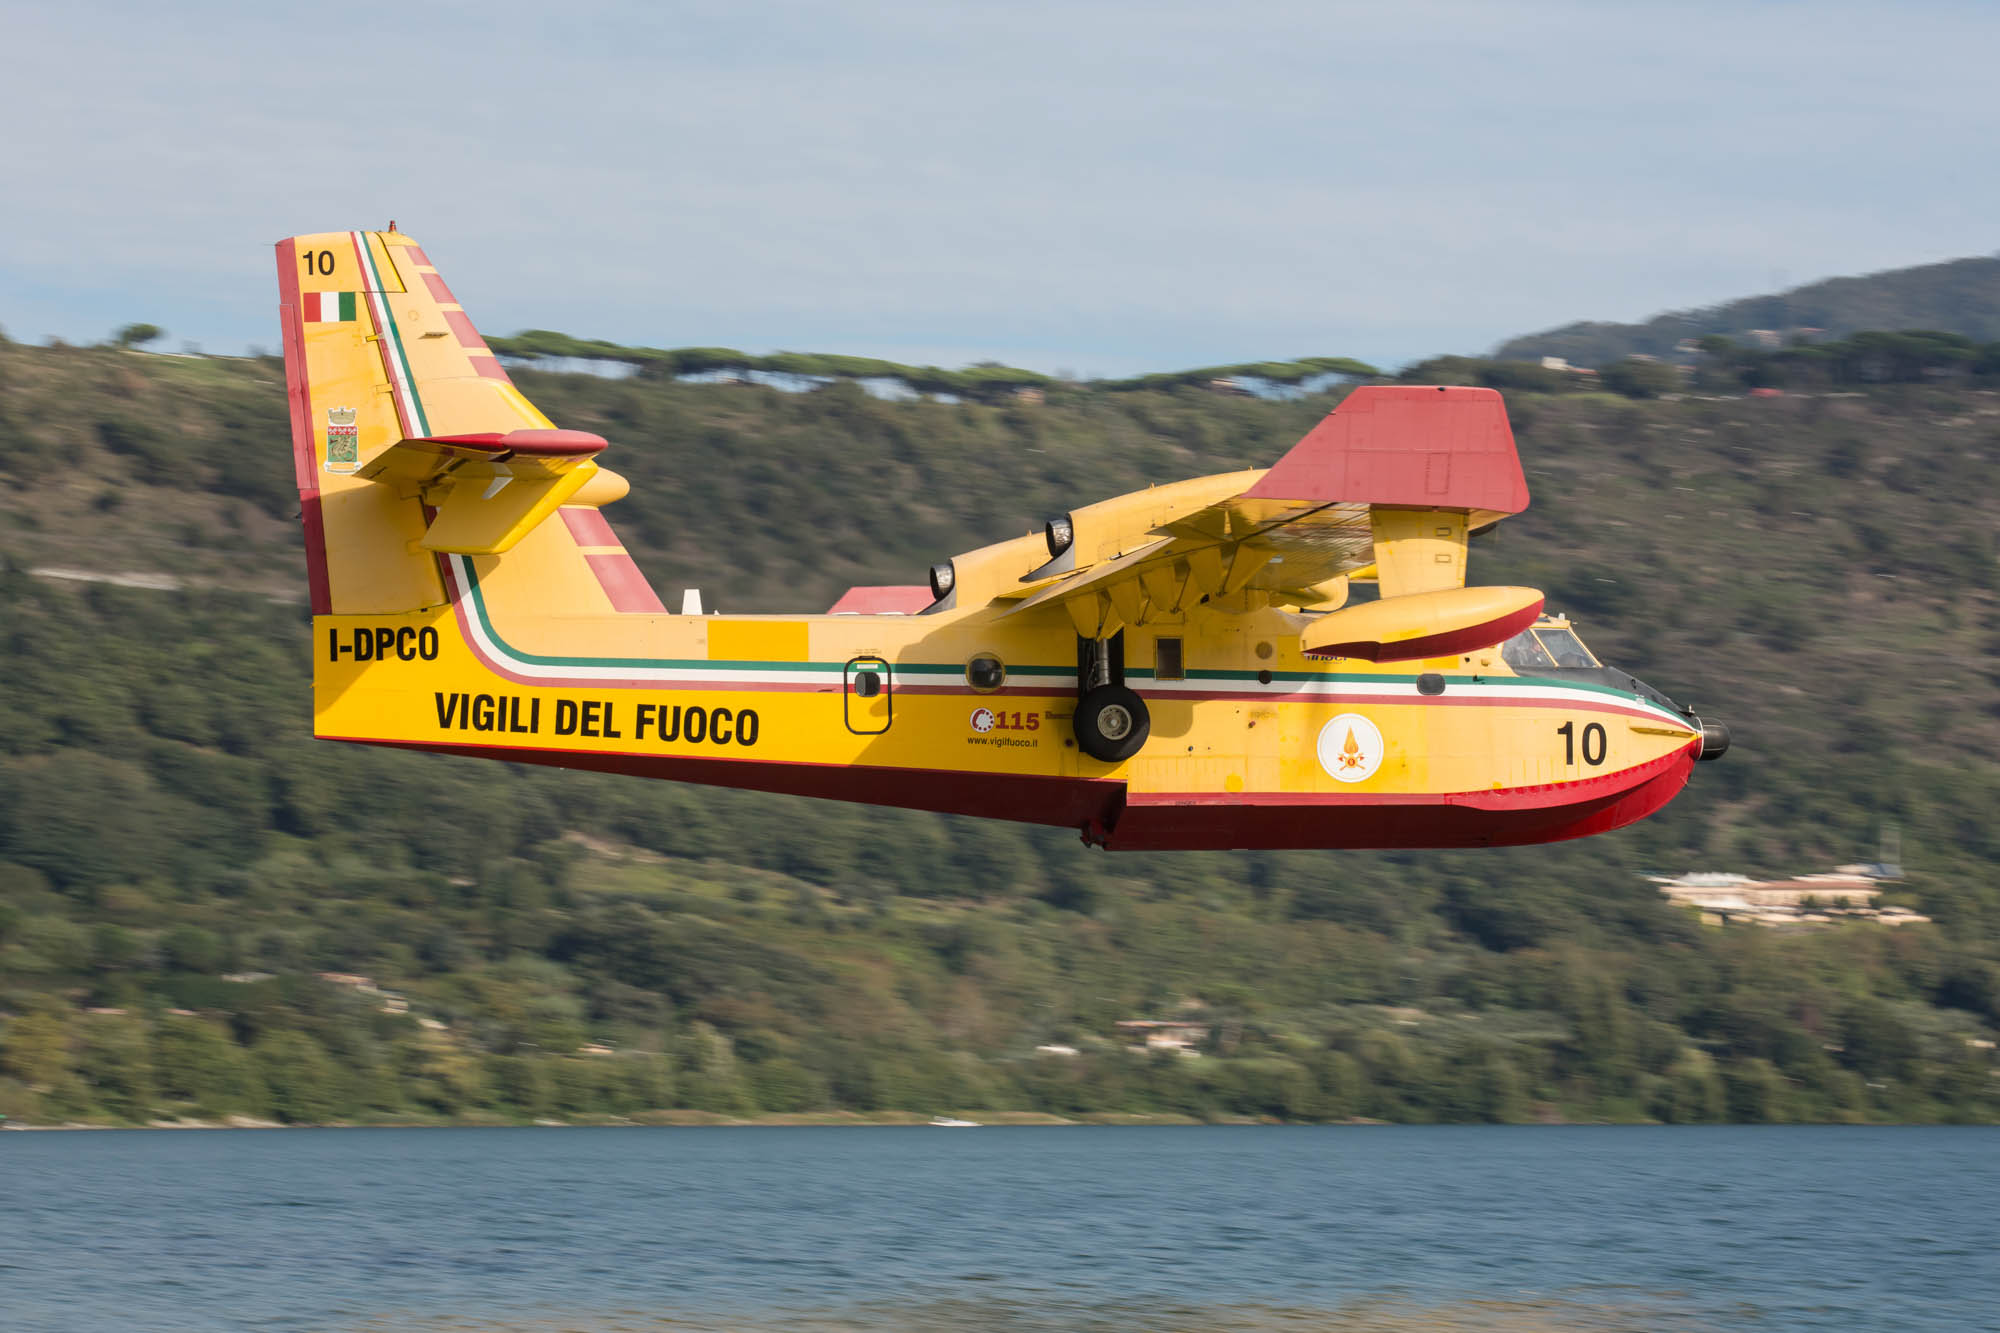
[(982, 720), (1350, 748)]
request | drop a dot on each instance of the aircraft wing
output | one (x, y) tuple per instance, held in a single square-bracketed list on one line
[(1388, 486)]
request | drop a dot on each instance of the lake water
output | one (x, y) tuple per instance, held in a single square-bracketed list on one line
[(1015, 1230)]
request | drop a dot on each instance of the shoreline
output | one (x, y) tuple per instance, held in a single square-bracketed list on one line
[(670, 1119), (908, 1119)]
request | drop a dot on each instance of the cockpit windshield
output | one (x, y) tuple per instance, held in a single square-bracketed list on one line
[(1524, 653), (1566, 648), (1546, 648)]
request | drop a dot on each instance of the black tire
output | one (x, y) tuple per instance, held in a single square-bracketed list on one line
[(1112, 723)]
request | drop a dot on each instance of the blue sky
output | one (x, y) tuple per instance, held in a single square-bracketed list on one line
[(1101, 188)]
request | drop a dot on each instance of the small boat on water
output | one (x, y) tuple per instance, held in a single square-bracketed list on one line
[(946, 1122)]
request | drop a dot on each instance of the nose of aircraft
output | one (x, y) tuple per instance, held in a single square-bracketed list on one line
[(1714, 740)]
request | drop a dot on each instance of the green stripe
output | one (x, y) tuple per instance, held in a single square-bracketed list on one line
[(674, 663), (347, 307), (953, 669), (709, 663), (396, 338)]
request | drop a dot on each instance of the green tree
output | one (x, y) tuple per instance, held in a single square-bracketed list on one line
[(1694, 1094), (786, 1085), (1343, 1084), (1755, 1091), (196, 1062), (116, 1064), (35, 1048), (302, 1083), (189, 948), (1498, 1095), (1637, 378)]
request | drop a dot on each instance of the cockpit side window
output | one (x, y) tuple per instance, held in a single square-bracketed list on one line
[(1523, 653), (1565, 648)]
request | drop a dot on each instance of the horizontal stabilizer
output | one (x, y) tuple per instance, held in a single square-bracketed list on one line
[(488, 489), (1425, 624), (528, 443)]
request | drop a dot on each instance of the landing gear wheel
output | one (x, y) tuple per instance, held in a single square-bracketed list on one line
[(1112, 723)]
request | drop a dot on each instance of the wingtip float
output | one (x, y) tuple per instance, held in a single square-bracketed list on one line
[(1176, 668)]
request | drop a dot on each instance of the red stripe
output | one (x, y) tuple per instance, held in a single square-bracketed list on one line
[(417, 255), (624, 584), (384, 337), (1461, 700), (319, 591), (1025, 798), (458, 606), (467, 335), (1057, 692), (489, 366), (438, 289), (588, 526), (298, 397)]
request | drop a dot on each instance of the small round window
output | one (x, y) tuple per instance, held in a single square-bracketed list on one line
[(985, 673)]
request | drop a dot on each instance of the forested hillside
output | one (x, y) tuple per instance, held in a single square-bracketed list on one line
[(179, 862), (1961, 296)]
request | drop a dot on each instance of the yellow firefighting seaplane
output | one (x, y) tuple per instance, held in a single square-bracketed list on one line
[(1176, 668)]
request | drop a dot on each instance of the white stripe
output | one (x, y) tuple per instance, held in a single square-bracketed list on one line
[(1491, 688), (635, 671), (1490, 691), (378, 302)]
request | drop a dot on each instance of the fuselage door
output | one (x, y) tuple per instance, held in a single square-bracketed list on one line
[(867, 691)]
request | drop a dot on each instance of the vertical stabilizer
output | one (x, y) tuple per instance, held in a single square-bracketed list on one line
[(411, 442)]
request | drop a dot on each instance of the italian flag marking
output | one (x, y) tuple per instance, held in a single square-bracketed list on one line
[(329, 307)]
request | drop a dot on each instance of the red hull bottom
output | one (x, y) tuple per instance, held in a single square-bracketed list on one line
[(1153, 822), (1474, 819)]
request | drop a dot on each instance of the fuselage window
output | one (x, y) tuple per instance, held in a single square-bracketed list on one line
[(1167, 660), (1566, 648), (985, 673), (1523, 653)]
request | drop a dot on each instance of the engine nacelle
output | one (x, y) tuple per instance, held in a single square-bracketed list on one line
[(1445, 623)]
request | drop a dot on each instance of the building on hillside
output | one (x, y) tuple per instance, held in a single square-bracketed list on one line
[(388, 1001), (1847, 893), (1560, 364), (1160, 1035)]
